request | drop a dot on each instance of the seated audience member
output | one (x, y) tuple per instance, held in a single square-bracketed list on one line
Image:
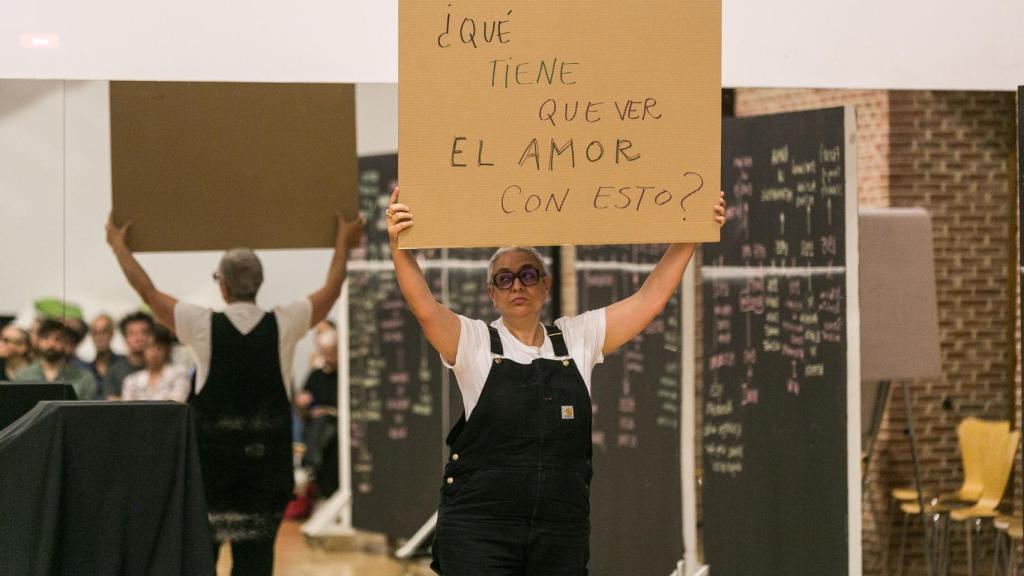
[(102, 332), (69, 313), (53, 365), (33, 337), (315, 359), (159, 380), (15, 352), (319, 400), (77, 332), (135, 328)]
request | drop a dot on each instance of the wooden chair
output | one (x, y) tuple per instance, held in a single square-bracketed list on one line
[(999, 459), (974, 435)]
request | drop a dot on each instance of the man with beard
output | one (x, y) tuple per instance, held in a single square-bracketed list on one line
[(53, 365)]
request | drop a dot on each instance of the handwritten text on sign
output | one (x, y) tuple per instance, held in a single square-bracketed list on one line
[(553, 123)]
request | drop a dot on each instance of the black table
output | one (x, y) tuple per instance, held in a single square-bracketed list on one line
[(102, 488)]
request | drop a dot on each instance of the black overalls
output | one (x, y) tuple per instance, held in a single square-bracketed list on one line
[(243, 429), (515, 494)]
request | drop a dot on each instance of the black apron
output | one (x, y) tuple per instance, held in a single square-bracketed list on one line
[(243, 429), (515, 497)]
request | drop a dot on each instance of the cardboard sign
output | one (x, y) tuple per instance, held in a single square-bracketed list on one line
[(210, 166), (570, 122)]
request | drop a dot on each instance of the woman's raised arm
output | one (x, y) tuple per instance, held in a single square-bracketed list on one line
[(440, 325)]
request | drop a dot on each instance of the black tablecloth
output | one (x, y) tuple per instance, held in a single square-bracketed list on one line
[(105, 489)]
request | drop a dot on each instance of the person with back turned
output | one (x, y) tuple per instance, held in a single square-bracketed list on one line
[(241, 394), (515, 496)]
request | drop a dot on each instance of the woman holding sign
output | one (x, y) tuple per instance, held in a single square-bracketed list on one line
[(515, 494)]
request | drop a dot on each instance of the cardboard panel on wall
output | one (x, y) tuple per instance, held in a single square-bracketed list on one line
[(209, 166), (899, 319), (570, 122)]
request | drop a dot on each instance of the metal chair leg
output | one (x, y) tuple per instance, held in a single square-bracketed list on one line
[(887, 535), (946, 545), (936, 540), (970, 549), (903, 544), (997, 547), (1013, 558), (979, 552)]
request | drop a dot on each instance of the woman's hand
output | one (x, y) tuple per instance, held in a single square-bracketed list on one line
[(350, 232), (720, 209), (399, 218), (117, 235), (162, 305)]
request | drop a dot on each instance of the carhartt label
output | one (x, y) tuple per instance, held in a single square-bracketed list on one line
[(567, 413)]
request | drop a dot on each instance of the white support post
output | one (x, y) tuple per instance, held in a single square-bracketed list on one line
[(417, 540), (688, 426), (334, 517)]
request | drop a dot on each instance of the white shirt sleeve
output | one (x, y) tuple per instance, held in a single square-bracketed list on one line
[(292, 324), (293, 321), (472, 360), (584, 337), (192, 324)]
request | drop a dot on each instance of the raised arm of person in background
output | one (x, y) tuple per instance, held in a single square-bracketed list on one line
[(630, 316), (350, 233), (440, 325), (162, 305)]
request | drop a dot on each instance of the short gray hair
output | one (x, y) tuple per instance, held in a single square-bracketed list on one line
[(241, 273), (528, 250), (327, 339)]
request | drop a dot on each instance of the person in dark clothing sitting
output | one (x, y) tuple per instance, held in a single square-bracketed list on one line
[(101, 330), (319, 402)]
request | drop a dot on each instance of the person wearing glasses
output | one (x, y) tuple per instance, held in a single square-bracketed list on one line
[(15, 352), (241, 396), (515, 490)]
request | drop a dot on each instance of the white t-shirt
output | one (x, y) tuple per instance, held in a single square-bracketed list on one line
[(193, 325), (172, 385), (584, 340)]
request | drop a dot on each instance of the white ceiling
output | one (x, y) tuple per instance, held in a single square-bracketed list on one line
[(908, 44)]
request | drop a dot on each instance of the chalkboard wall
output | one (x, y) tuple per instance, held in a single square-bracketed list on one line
[(775, 353), (635, 499), (394, 378)]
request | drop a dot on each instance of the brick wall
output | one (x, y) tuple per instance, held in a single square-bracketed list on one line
[(951, 153)]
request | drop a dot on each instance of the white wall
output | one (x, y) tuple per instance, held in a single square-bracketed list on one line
[(31, 158), (51, 238), (908, 44), (255, 40), (903, 44)]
